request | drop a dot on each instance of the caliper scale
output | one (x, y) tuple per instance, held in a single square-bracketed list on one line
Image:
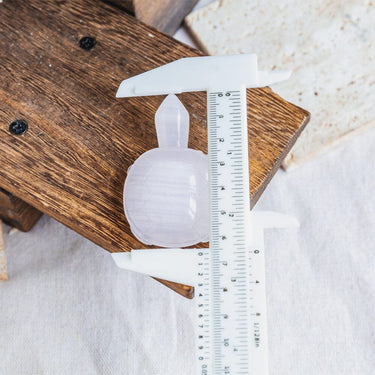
[(229, 277)]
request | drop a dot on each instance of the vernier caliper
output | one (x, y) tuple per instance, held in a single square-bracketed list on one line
[(229, 277)]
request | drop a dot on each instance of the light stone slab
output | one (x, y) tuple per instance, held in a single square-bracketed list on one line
[(329, 46)]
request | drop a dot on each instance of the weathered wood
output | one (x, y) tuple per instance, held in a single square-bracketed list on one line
[(164, 15), (71, 163), (17, 213), (3, 263)]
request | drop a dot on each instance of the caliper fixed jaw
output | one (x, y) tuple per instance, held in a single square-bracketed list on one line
[(206, 73)]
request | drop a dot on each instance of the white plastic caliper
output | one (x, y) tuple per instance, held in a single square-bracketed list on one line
[(229, 277)]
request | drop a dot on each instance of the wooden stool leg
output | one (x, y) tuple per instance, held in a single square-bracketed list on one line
[(3, 264)]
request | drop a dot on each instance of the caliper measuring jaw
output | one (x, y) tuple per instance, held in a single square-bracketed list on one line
[(229, 276), (181, 265)]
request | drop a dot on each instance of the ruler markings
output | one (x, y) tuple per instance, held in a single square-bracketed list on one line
[(229, 325)]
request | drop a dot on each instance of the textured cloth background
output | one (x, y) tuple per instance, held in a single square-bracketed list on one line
[(68, 310)]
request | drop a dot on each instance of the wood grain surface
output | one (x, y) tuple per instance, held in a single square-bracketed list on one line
[(17, 213), (71, 163), (164, 15), (3, 263)]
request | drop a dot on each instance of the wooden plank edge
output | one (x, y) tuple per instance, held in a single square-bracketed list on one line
[(279, 161), (17, 213)]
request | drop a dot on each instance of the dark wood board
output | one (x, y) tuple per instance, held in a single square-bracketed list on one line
[(17, 213), (127, 5), (164, 15), (71, 163)]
